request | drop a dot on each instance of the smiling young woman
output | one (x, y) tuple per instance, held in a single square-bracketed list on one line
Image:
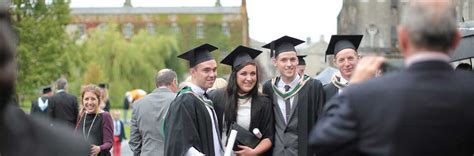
[(241, 104), (93, 124)]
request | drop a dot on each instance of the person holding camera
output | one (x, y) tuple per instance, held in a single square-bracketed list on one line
[(424, 109)]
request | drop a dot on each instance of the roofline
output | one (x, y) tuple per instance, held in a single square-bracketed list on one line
[(154, 10)]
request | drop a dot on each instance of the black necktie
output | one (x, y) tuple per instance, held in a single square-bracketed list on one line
[(287, 104), (205, 95)]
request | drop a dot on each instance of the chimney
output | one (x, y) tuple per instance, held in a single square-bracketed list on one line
[(128, 3), (218, 3)]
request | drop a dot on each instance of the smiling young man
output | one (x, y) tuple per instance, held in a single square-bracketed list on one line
[(344, 49), (191, 126), (297, 99)]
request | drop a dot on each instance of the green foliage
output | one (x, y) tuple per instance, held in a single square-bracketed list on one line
[(42, 43), (126, 64), (46, 52)]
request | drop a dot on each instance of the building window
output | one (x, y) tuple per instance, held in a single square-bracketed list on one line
[(81, 28), (175, 27), (200, 30), (225, 28), (102, 27), (150, 28), (393, 36), (127, 30)]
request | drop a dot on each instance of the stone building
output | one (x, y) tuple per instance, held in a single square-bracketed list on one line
[(377, 20)]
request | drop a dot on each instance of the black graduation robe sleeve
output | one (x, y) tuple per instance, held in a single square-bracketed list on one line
[(218, 98), (319, 99), (330, 90), (336, 130), (188, 125), (267, 123)]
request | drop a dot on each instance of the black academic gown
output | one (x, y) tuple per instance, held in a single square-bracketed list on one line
[(261, 111), (187, 125), (35, 109), (330, 90), (310, 106), (107, 105)]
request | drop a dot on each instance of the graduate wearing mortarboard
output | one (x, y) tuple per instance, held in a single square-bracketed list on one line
[(191, 125), (301, 64), (104, 89), (40, 105), (344, 49), (298, 100), (240, 103)]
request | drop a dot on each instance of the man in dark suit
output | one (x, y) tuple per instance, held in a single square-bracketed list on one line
[(423, 110), (20, 134), (64, 106)]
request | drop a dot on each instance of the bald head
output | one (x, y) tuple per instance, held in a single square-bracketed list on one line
[(430, 25), (165, 77)]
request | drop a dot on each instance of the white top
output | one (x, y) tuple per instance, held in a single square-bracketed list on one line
[(217, 145), (244, 113), (281, 101), (343, 81)]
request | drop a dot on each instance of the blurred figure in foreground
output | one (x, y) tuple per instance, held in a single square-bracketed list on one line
[(20, 134), (422, 110)]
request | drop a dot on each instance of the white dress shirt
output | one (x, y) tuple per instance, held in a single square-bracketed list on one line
[(281, 87), (217, 145)]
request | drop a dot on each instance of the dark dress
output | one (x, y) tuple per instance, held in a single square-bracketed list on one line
[(261, 113), (101, 133)]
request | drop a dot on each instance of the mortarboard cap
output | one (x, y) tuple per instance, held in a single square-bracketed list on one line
[(103, 85), (47, 89), (198, 54), (340, 42), (240, 55), (283, 44), (301, 60)]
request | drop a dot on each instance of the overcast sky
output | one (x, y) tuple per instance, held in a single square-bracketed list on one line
[(268, 19)]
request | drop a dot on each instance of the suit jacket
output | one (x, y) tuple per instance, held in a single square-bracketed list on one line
[(329, 91), (147, 117), (64, 108), (23, 135), (424, 110), (292, 138)]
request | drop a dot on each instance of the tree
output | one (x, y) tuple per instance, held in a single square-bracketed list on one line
[(126, 64), (43, 43)]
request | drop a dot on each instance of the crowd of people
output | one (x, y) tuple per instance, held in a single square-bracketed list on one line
[(423, 109)]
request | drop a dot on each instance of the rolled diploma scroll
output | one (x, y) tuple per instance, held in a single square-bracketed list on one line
[(230, 143), (257, 133)]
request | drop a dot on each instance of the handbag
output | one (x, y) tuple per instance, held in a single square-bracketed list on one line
[(244, 137)]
